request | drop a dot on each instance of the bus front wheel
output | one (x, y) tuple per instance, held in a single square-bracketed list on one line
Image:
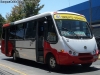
[(52, 63), (86, 65)]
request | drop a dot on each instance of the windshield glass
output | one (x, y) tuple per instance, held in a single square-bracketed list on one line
[(73, 28)]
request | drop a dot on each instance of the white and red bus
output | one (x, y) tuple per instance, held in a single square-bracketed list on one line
[(53, 38)]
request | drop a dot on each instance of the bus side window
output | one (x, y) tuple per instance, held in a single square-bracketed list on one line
[(51, 35), (30, 30), (12, 32), (19, 31)]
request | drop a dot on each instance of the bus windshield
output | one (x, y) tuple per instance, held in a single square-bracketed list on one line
[(71, 28)]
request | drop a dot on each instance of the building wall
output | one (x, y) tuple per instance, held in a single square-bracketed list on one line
[(84, 8)]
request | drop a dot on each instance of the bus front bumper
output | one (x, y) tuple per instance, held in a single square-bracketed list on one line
[(66, 59)]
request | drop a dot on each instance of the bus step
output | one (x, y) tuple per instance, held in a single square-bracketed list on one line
[(40, 58), (40, 53)]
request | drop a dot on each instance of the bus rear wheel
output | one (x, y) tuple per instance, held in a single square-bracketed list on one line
[(87, 65), (52, 64), (15, 58)]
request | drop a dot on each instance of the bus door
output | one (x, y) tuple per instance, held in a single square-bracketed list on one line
[(40, 41), (46, 33)]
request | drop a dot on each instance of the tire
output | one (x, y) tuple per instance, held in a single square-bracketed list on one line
[(52, 64), (15, 58), (87, 65)]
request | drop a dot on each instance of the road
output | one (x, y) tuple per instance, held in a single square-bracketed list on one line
[(26, 67)]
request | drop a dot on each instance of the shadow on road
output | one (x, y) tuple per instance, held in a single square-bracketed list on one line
[(63, 70)]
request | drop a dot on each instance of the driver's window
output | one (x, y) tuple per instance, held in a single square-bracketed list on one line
[(51, 34)]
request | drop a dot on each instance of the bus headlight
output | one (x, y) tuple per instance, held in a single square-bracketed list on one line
[(70, 52), (73, 53)]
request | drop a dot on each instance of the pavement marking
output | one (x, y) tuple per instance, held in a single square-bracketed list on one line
[(13, 69)]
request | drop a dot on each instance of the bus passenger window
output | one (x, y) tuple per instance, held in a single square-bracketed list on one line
[(30, 30), (19, 31), (51, 35), (12, 32)]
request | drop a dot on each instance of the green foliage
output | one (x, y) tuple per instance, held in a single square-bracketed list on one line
[(16, 14), (31, 8), (24, 9), (2, 21)]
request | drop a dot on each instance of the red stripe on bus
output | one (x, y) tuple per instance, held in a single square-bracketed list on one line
[(10, 48), (6, 25), (64, 58), (49, 49)]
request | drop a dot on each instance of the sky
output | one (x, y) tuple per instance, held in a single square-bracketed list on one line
[(49, 5)]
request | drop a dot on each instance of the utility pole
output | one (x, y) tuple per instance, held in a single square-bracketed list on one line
[(69, 3), (90, 12)]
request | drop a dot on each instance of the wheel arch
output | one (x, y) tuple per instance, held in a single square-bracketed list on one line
[(49, 54), (12, 52)]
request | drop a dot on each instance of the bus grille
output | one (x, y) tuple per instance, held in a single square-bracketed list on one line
[(84, 54), (86, 58)]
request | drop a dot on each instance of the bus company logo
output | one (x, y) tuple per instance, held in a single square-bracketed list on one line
[(85, 47), (58, 16)]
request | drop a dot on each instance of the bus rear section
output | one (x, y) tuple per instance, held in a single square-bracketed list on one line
[(55, 38), (6, 45)]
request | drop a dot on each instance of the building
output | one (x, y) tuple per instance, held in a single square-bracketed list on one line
[(84, 8)]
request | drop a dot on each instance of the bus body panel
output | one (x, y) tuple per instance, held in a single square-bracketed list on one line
[(64, 58), (49, 49), (78, 45), (83, 48), (81, 57), (10, 48), (26, 49)]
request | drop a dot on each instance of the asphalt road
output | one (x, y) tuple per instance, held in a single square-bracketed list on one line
[(26, 67)]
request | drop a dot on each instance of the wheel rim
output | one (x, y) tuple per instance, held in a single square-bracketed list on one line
[(14, 56), (52, 62)]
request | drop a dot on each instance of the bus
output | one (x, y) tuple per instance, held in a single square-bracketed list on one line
[(52, 38)]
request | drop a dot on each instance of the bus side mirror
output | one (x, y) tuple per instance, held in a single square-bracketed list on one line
[(45, 25), (45, 22), (91, 27)]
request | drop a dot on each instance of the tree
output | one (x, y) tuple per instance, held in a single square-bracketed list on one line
[(2, 21), (32, 8), (16, 14), (24, 9)]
